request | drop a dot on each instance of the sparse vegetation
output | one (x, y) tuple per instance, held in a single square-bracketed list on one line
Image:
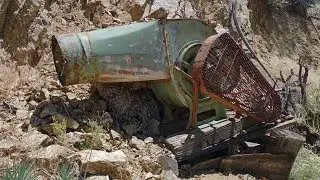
[(96, 135), (59, 129), (21, 172), (66, 173), (309, 113), (306, 166), (29, 171)]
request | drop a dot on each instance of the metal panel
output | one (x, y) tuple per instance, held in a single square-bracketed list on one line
[(134, 52)]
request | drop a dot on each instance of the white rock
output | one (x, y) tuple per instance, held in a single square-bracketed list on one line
[(98, 178), (8, 145), (22, 114), (149, 175), (48, 158), (34, 139), (148, 140), (137, 143), (52, 152), (115, 135), (71, 96), (169, 175), (104, 163)]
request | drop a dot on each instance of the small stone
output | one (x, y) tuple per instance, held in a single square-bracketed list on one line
[(71, 96), (137, 143), (32, 105), (168, 164), (115, 135), (44, 94), (63, 21), (148, 140), (98, 178), (48, 110), (136, 12), (74, 137), (56, 97), (160, 13), (104, 163), (107, 146), (22, 114), (148, 175), (169, 175)]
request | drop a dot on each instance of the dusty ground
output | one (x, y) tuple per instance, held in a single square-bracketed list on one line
[(280, 34)]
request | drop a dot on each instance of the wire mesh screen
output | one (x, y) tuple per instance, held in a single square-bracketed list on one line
[(229, 74)]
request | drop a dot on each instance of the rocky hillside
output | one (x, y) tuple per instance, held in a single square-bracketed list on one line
[(42, 121)]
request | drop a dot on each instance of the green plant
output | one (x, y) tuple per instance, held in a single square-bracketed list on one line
[(82, 145), (309, 113), (96, 135), (59, 129), (21, 172), (66, 173), (306, 166)]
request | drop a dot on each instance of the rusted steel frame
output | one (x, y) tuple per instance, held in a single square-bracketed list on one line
[(193, 121), (196, 74), (194, 105)]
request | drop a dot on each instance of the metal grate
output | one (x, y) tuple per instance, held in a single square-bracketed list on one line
[(229, 74)]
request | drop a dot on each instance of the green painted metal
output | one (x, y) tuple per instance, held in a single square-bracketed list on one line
[(127, 53), (159, 51), (183, 39)]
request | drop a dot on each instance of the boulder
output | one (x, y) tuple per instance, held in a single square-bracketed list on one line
[(8, 145), (22, 114), (104, 163), (48, 110), (137, 143), (49, 157), (168, 175), (34, 139), (168, 164)]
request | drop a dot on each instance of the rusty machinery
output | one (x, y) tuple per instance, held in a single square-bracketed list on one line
[(187, 65)]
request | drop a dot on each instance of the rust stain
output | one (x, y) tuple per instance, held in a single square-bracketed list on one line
[(228, 76), (125, 72)]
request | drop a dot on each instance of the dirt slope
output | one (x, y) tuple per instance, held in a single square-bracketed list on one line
[(280, 33)]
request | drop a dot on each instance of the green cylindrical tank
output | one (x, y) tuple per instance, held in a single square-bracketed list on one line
[(158, 51)]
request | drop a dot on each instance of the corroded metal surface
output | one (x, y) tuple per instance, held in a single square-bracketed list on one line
[(129, 53), (227, 75), (184, 146)]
